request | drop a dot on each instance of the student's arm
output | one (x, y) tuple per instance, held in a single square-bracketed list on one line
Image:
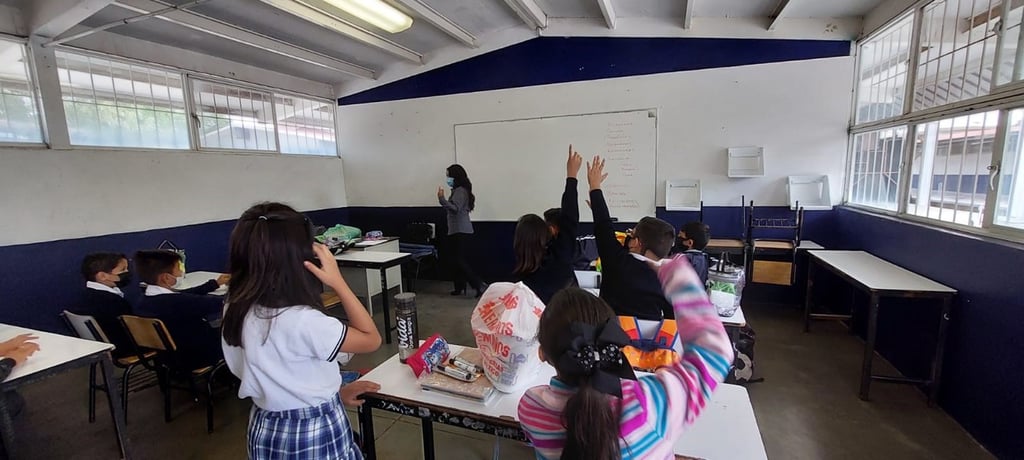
[(17, 355), (457, 203), (361, 335), (608, 247), (202, 289), (569, 220), (707, 351)]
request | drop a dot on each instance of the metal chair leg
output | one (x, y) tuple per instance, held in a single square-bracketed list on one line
[(92, 393), (125, 380)]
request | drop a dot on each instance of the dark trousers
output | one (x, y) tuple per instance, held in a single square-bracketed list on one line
[(462, 272)]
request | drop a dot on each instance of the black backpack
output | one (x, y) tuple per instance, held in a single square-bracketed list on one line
[(742, 370)]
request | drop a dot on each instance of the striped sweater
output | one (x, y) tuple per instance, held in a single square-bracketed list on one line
[(655, 408)]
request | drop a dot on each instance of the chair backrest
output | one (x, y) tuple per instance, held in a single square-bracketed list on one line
[(85, 326), (148, 333)]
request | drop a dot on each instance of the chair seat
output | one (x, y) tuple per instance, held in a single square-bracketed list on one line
[(724, 243), (330, 299), (772, 244), (129, 360), (203, 370)]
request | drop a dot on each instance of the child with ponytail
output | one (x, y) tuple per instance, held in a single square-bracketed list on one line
[(595, 408)]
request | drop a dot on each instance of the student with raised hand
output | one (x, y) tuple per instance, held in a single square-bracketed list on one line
[(282, 346), (543, 257), (626, 283), (595, 408)]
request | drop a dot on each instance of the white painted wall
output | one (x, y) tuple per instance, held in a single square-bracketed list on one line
[(48, 195), (396, 152)]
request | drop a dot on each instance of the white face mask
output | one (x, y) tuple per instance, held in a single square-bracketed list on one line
[(179, 281)]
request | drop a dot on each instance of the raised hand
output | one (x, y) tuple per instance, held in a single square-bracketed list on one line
[(573, 164), (595, 172)]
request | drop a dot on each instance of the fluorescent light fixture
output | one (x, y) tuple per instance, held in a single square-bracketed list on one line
[(375, 12)]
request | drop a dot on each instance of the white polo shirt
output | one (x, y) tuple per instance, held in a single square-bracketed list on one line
[(289, 360), (103, 287)]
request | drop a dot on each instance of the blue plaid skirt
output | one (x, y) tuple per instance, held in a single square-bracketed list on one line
[(321, 432)]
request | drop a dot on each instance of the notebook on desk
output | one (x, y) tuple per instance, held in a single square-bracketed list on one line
[(481, 390)]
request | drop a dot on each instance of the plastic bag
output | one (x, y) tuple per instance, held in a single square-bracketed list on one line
[(725, 288), (505, 323), (339, 234)]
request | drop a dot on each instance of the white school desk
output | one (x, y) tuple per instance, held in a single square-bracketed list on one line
[(380, 261), (59, 353), (879, 278), (197, 278), (726, 430), (366, 282)]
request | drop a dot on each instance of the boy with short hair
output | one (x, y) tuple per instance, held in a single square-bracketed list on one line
[(186, 313), (691, 241), (105, 274)]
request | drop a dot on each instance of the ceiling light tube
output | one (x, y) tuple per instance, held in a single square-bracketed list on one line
[(375, 12)]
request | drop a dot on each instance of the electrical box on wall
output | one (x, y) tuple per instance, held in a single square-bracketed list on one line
[(746, 161)]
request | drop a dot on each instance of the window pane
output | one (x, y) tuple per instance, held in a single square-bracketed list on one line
[(115, 104), (1011, 62), (883, 72), (19, 117), (1010, 202), (306, 126), (958, 48), (875, 175), (233, 117), (949, 178)]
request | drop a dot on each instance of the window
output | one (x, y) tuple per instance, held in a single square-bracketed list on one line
[(1009, 208), (950, 180), (117, 104), (875, 172), (883, 73), (958, 49), (232, 117), (1011, 63), (19, 117), (305, 126)]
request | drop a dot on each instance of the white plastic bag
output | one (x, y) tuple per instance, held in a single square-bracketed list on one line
[(505, 323)]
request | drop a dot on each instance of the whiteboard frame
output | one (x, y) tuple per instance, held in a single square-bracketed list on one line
[(657, 135)]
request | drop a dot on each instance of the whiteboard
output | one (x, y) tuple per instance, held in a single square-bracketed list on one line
[(518, 166)]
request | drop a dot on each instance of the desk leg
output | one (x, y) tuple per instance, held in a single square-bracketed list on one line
[(366, 431), (808, 299), (940, 348), (7, 428), (428, 437), (869, 347), (387, 307), (116, 411)]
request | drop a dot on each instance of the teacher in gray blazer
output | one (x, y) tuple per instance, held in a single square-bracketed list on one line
[(457, 207)]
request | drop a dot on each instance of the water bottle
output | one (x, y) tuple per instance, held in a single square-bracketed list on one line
[(406, 325)]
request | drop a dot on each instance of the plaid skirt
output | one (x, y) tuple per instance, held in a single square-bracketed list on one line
[(321, 432)]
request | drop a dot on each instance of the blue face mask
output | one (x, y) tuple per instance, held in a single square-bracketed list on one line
[(450, 182)]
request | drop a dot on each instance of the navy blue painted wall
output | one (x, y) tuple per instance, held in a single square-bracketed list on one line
[(40, 280), (548, 60), (983, 381)]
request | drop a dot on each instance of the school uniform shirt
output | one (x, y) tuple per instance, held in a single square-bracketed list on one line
[(655, 409), (187, 317), (628, 285), (105, 304), (556, 268), (288, 357), (457, 211)]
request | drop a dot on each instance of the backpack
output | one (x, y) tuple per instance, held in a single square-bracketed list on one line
[(742, 370), (660, 347)]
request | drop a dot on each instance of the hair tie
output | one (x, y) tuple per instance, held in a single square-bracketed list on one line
[(596, 352), (263, 218)]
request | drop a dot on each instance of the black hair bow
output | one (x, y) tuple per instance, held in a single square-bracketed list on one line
[(596, 351)]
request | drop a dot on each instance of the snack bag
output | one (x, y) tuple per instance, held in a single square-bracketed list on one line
[(505, 323), (434, 351)]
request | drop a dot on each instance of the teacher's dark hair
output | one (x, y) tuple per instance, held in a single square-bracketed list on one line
[(458, 173), (267, 251)]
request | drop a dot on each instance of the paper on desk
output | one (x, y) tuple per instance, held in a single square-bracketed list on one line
[(368, 243)]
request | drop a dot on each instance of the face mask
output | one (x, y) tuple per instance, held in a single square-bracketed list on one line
[(681, 243), (124, 279), (450, 182), (179, 281)]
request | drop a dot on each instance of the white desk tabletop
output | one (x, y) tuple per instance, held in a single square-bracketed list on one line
[(370, 256), (54, 350), (727, 428), (193, 279), (878, 274), (809, 245), (737, 318)]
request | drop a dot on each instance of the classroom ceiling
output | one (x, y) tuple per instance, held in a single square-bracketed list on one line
[(443, 31)]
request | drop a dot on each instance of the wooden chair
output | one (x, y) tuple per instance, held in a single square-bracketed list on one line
[(87, 328), (150, 334)]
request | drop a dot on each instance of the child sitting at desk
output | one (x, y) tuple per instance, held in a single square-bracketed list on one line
[(595, 407), (691, 241), (186, 313), (280, 344), (544, 256), (626, 283), (105, 274)]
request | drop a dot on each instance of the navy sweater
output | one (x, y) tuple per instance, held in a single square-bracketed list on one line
[(106, 307), (187, 316)]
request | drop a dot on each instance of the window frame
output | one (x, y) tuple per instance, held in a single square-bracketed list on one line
[(33, 83)]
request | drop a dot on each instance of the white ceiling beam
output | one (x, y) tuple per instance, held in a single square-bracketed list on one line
[(530, 12), (688, 14), (780, 10), (608, 11), (50, 18), (439, 20), (244, 37), (331, 22)]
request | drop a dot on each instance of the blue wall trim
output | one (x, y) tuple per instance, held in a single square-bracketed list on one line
[(548, 60)]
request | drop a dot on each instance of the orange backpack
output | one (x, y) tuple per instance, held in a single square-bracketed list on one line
[(648, 354)]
